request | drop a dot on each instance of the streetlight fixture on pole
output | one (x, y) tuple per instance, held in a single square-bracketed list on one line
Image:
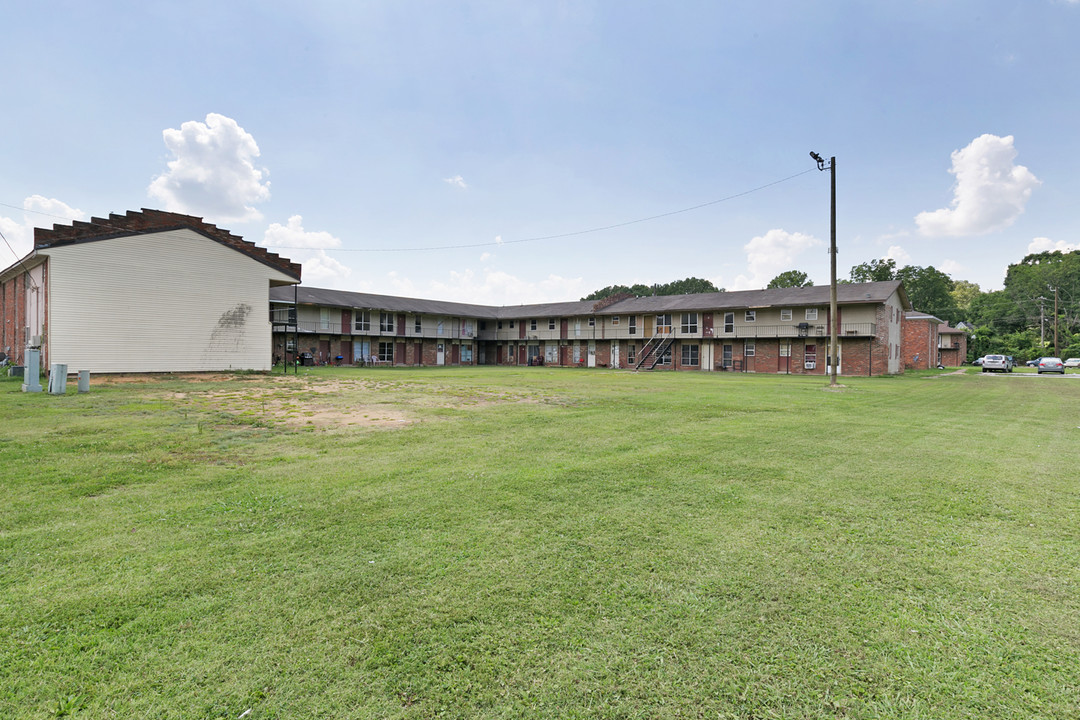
[(834, 348)]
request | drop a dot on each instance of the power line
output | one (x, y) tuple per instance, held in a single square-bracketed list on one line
[(540, 238), (558, 236), (19, 260)]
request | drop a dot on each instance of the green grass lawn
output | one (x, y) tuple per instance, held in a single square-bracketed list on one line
[(540, 543)]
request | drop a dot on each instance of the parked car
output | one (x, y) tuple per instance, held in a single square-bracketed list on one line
[(997, 363), (1072, 363), (977, 361), (1050, 364), (1033, 363)]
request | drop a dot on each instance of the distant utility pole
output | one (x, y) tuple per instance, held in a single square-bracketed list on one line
[(1042, 324), (834, 349), (1057, 349)]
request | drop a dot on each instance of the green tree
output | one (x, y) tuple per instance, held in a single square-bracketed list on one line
[(874, 271), (617, 290), (964, 293), (997, 313), (1041, 275), (790, 279), (929, 290), (689, 286)]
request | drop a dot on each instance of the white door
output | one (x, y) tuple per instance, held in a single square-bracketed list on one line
[(592, 355), (440, 354), (614, 354)]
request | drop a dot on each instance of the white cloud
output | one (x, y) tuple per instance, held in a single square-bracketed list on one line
[(309, 249), (39, 211), (484, 257), (989, 194), (952, 268), (293, 235), (324, 271), (493, 287), (899, 254), (213, 175), (1042, 244), (769, 255), (457, 181)]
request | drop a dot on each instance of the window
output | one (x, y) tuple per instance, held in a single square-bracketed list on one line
[(751, 348), (785, 315), (811, 313), (689, 355), (290, 343), (751, 316), (532, 324), (631, 353), (500, 325), (663, 324), (386, 322), (785, 349), (551, 323), (592, 322), (578, 357), (386, 352), (440, 327), (551, 354), (665, 359), (466, 353), (283, 316), (512, 324), (417, 325), (614, 319), (632, 326), (729, 322), (324, 318), (811, 353), (362, 321), (483, 325), (689, 323)]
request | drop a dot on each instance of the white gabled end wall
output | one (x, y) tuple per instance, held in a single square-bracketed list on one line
[(172, 301)]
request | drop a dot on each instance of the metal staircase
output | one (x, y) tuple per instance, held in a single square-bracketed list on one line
[(652, 351)]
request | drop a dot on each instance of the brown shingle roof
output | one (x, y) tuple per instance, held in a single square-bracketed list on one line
[(152, 221), (847, 294)]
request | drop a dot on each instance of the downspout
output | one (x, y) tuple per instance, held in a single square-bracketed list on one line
[(296, 329)]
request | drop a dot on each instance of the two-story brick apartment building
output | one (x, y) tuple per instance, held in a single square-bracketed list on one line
[(775, 331)]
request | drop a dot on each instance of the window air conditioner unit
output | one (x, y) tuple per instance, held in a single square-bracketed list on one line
[(810, 364)]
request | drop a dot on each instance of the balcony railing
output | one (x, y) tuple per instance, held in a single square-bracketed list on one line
[(282, 324), (316, 327), (794, 331)]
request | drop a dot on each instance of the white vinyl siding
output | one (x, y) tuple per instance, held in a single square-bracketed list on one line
[(159, 302)]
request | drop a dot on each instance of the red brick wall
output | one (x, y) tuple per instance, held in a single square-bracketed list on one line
[(954, 356), (13, 333), (603, 354), (918, 337)]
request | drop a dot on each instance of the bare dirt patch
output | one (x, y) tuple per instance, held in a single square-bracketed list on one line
[(335, 403), (146, 378)]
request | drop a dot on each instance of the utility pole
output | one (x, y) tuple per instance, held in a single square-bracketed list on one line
[(1057, 349), (834, 349), (1042, 324)]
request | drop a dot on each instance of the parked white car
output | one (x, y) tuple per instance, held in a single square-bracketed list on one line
[(997, 363), (1072, 363)]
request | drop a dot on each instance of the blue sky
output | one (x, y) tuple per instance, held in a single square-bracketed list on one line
[(348, 136)]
